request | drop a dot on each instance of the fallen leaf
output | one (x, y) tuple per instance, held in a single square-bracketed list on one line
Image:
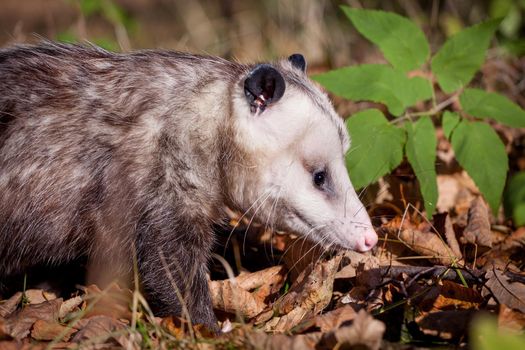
[(260, 340), (308, 295), (99, 330), (265, 282), (21, 345), (365, 332), (9, 305), (505, 292), (450, 235), (428, 244), (353, 261), (231, 298), (37, 296), (20, 322), (331, 320), (478, 225), (510, 319), (69, 305), (448, 295), (449, 324), (46, 330)]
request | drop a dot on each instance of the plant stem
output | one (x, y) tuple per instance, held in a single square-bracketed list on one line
[(433, 111)]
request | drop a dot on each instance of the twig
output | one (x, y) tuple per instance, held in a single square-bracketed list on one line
[(442, 105)]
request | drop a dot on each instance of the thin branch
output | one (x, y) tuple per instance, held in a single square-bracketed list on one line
[(441, 106)]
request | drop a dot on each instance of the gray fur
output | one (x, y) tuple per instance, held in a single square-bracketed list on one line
[(104, 153)]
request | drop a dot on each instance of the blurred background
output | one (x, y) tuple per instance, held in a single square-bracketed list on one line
[(245, 30), (251, 31)]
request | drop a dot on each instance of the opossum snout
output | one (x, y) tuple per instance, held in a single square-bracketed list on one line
[(367, 240)]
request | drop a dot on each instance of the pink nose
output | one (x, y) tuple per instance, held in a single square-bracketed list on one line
[(369, 241)]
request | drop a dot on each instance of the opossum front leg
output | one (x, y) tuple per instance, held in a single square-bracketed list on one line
[(174, 275)]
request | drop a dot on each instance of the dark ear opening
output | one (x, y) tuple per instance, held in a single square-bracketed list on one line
[(263, 86), (298, 61)]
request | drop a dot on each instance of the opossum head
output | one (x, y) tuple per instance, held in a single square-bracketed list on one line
[(292, 174)]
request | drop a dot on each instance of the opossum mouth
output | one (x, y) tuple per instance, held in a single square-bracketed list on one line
[(317, 234)]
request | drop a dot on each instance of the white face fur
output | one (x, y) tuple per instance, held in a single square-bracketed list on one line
[(296, 177)]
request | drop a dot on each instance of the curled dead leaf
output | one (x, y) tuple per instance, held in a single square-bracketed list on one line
[(308, 295), (9, 305), (428, 244), (47, 330), (478, 225), (512, 294), (19, 323), (365, 331)]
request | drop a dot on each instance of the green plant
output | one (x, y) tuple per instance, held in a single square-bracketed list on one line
[(485, 335), (378, 144)]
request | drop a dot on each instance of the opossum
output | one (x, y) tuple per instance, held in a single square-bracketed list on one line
[(114, 155)]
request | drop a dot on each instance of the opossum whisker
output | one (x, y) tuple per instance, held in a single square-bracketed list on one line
[(269, 224), (251, 219), (265, 193), (304, 239)]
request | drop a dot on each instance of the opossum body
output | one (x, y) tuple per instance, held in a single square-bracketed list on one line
[(112, 156)]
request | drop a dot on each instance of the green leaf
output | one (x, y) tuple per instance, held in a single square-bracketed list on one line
[(378, 83), (400, 40), (377, 147), (462, 55), (450, 121), (481, 153), (421, 153), (514, 198), (482, 104), (486, 335)]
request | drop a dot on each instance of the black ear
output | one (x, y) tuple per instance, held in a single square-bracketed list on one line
[(298, 61), (263, 86)]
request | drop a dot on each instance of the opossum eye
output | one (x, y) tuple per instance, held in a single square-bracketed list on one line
[(319, 178), (263, 86)]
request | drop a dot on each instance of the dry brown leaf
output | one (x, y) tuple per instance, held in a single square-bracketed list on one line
[(448, 295), (37, 296), (9, 305), (69, 305), (478, 226), (230, 297), (21, 345), (308, 295), (100, 329), (287, 322), (505, 292), (260, 340), (266, 282), (355, 261), (334, 319), (46, 330), (20, 322), (312, 290), (365, 331), (428, 244), (450, 235), (501, 254), (247, 294), (511, 319), (450, 324), (456, 191)]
